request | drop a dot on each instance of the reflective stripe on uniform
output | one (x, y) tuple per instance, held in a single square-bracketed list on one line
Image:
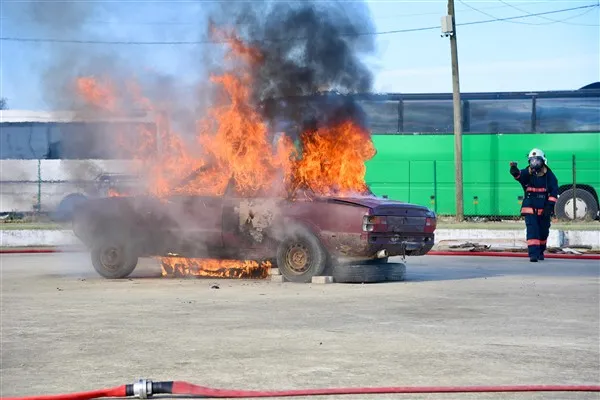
[(552, 198), (536, 190), (542, 242), (534, 242), (529, 210)]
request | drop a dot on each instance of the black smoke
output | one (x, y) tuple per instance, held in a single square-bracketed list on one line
[(309, 47)]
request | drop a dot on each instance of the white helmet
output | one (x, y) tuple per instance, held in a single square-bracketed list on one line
[(537, 153)]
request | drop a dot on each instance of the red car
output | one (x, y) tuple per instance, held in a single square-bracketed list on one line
[(305, 237)]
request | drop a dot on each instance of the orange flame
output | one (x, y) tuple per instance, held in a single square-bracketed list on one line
[(96, 93), (196, 267), (113, 193), (333, 159), (232, 142)]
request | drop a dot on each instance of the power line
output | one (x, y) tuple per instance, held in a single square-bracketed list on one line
[(565, 21), (197, 42), (495, 19), (528, 14)]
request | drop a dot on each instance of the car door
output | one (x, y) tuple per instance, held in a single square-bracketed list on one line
[(246, 220), (195, 222)]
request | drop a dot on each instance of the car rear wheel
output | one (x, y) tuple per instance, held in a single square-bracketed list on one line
[(300, 256), (113, 260)]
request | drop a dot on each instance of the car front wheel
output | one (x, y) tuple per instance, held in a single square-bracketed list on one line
[(300, 256), (113, 260)]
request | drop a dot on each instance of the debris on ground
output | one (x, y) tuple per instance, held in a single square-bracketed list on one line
[(478, 247), (468, 246)]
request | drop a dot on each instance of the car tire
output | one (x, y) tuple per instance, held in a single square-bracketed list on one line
[(300, 256), (583, 198), (113, 259), (361, 273), (376, 261), (395, 272)]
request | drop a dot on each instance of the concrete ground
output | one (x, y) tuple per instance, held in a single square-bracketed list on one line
[(455, 321)]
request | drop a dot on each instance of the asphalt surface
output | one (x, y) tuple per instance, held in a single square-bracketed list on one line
[(455, 321)]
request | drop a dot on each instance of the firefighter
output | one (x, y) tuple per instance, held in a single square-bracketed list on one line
[(541, 190)]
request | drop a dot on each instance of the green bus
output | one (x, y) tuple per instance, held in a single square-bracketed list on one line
[(413, 135)]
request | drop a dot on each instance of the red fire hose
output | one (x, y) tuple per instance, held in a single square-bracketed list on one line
[(120, 391), (513, 254), (146, 388)]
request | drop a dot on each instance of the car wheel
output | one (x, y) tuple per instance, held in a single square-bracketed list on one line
[(361, 273), (300, 256), (113, 260), (395, 272), (585, 204)]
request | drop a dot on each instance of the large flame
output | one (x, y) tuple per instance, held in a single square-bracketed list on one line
[(232, 143), (333, 159)]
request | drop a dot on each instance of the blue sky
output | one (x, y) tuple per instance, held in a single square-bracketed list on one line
[(535, 53)]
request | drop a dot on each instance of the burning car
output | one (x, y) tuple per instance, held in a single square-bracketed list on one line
[(305, 236), (273, 168)]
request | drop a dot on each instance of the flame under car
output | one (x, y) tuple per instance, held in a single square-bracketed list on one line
[(303, 236)]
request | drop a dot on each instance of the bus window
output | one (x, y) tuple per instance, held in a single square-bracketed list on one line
[(382, 116), (23, 141), (428, 116), (500, 116), (102, 141), (568, 115)]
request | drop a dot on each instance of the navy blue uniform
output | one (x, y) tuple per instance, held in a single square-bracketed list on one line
[(541, 192)]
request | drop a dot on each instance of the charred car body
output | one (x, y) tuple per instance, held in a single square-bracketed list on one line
[(305, 236)]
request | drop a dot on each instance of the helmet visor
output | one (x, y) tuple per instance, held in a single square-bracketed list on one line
[(536, 162)]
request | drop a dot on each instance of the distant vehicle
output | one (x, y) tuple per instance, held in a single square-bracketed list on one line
[(306, 236), (413, 136), (51, 161)]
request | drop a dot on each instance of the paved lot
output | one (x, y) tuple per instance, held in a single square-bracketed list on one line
[(455, 321)]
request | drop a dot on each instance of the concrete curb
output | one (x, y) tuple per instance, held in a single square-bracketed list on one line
[(496, 239), (515, 238), (38, 238)]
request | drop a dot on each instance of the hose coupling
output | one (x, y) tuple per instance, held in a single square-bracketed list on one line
[(142, 388)]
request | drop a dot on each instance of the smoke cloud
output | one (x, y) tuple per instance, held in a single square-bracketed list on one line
[(307, 47)]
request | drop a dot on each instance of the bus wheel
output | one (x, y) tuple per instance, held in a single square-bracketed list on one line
[(586, 205)]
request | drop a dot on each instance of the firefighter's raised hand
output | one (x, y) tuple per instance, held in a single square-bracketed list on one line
[(514, 170)]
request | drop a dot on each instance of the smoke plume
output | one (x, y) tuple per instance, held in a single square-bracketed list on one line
[(308, 47)]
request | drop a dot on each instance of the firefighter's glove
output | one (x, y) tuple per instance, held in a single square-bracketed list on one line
[(548, 210), (514, 170)]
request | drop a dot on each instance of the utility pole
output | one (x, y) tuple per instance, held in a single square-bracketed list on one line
[(449, 29)]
